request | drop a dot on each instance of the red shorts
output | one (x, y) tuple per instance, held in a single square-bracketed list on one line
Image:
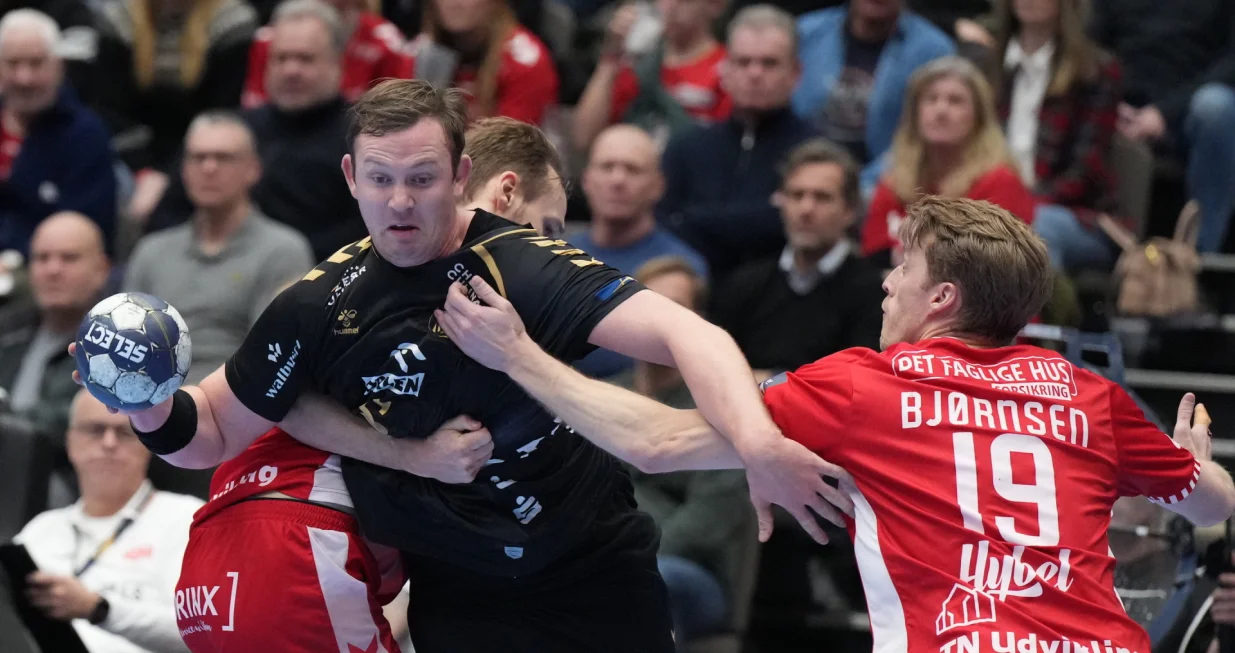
[(277, 575)]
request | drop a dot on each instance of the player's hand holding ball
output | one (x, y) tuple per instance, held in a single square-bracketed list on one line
[(133, 352)]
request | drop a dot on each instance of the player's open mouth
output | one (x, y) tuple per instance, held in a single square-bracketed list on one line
[(402, 228)]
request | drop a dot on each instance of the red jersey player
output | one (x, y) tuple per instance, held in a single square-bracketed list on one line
[(982, 474)]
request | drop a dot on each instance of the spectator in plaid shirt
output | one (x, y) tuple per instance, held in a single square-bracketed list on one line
[(1058, 95)]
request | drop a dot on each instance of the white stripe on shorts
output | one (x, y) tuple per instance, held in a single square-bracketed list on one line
[(347, 599)]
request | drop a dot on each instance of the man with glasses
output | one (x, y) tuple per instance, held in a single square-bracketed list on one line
[(109, 562), (222, 267)]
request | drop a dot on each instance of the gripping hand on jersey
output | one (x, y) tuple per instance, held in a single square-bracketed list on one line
[(490, 333), (455, 452)]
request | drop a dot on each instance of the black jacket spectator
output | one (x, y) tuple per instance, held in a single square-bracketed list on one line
[(719, 181), (163, 71), (65, 164), (779, 329), (301, 183)]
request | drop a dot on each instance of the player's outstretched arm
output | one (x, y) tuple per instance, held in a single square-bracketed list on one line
[(453, 454), (650, 327), (643, 432), (1213, 499), (199, 426)]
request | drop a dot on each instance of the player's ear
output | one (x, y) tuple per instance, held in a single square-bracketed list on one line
[(778, 200), (349, 173), (945, 299), (462, 172), (506, 191)]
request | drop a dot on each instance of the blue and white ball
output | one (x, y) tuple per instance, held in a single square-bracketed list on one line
[(133, 351)]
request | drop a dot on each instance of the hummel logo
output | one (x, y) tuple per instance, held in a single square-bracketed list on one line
[(275, 353)]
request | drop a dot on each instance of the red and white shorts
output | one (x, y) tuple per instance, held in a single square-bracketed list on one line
[(277, 575)]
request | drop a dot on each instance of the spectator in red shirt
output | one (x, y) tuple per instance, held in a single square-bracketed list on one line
[(675, 83), (948, 143), (375, 50), (480, 47)]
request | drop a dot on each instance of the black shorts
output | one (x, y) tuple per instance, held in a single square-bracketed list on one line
[(605, 597)]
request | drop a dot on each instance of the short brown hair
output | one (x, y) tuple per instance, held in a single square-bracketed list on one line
[(398, 104), (998, 262), (819, 150), (500, 144), (663, 265)]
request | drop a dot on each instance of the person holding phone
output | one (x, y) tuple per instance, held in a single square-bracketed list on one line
[(109, 562)]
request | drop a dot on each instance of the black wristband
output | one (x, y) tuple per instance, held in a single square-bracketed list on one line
[(177, 432), (100, 612)]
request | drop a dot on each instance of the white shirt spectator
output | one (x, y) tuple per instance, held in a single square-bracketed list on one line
[(137, 574), (1028, 91)]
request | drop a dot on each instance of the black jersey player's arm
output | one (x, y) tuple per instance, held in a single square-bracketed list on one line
[(572, 303), (453, 454), (622, 423), (202, 426), (653, 328)]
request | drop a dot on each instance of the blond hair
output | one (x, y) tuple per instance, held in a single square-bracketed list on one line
[(997, 261), (194, 41), (986, 148), (1076, 59), (501, 144)]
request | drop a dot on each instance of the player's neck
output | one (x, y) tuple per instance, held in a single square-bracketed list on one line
[(463, 220), (969, 340), (620, 234), (216, 226)]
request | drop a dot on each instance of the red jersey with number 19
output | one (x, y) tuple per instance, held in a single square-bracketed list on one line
[(983, 481)]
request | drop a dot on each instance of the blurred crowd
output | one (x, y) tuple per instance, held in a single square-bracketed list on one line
[(750, 161)]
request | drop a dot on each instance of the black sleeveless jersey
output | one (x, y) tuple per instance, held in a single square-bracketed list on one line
[(361, 330)]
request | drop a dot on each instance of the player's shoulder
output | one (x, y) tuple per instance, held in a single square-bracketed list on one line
[(330, 277), (487, 228), (506, 241), (834, 366)]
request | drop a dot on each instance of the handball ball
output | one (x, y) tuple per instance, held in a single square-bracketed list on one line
[(133, 351)]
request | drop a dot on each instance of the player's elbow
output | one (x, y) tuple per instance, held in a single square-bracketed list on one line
[(1216, 511), (679, 435), (194, 456), (651, 458), (1212, 501), (1211, 515)]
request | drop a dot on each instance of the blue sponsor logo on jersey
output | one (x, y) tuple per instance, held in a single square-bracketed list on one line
[(611, 288)]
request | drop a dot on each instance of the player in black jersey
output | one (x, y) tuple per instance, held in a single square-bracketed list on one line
[(545, 550)]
